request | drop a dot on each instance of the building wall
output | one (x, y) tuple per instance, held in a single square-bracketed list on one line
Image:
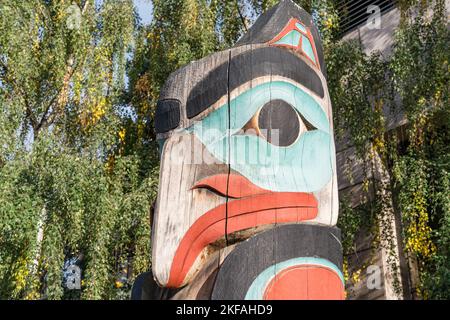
[(351, 174)]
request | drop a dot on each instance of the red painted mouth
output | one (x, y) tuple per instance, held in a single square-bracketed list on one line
[(249, 206)]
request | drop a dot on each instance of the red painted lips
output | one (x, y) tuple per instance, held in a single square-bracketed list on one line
[(249, 206)]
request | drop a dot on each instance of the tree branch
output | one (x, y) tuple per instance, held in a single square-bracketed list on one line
[(14, 83), (244, 22), (61, 97)]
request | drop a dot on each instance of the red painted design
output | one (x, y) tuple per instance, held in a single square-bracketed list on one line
[(289, 27), (305, 283), (238, 186), (257, 207)]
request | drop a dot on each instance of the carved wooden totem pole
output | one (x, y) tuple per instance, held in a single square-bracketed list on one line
[(247, 201)]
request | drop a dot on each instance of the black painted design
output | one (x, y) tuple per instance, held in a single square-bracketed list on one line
[(146, 288), (279, 123), (271, 23), (212, 87), (282, 243), (167, 115), (249, 65)]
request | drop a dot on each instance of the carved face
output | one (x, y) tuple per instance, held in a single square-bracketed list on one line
[(246, 142)]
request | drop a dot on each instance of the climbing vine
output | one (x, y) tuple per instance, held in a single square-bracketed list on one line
[(414, 81)]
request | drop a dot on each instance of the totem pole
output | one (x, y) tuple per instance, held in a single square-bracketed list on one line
[(248, 202)]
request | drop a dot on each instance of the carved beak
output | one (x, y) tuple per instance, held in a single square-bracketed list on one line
[(249, 207)]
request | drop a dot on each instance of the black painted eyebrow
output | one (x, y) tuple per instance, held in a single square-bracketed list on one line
[(167, 116), (249, 65)]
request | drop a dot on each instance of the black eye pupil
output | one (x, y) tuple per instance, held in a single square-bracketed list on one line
[(279, 123)]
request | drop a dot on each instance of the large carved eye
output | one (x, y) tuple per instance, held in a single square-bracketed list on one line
[(279, 123)]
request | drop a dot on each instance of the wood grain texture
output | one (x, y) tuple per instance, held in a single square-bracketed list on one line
[(250, 258), (146, 288), (247, 145), (305, 282), (178, 205), (270, 24)]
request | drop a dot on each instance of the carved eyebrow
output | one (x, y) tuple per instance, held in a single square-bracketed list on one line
[(247, 66)]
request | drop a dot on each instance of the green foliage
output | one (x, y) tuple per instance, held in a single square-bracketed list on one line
[(88, 210), (69, 186), (420, 73), (357, 89), (350, 222), (416, 80), (78, 158)]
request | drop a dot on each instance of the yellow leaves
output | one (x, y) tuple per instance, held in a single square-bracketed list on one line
[(91, 117), (99, 110), (143, 93), (77, 86), (37, 19), (122, 133), (422, 101), (437, 96), (379, 105), (190, 20), (366, 185), (356, 276), (110, 163), (419, 240), (33, 295), (328, 23), (60, 15), (345, 269), (118, 284), (141, 129), (418, 232), (21, 274), (378, 144)]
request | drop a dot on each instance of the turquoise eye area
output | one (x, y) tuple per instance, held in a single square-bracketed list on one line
[(307, 48), (291, 39), (304, 166), (301, 27)]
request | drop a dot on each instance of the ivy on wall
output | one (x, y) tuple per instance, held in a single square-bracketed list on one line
[(415, 80)]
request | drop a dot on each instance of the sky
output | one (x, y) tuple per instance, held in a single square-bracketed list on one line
[(145, 10)]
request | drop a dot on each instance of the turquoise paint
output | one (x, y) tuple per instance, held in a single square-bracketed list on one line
[(258, 286), (161, 143), (304, 166), (301, 27), (307, 48), (291, 39)]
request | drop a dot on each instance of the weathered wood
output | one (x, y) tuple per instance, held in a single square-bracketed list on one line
[(369, 285), (247, 146), (351, 170), (200, 288), (253, 265), (146, 288)]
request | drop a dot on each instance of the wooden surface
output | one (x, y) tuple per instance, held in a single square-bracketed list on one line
[(252, 258), (247, 145)]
